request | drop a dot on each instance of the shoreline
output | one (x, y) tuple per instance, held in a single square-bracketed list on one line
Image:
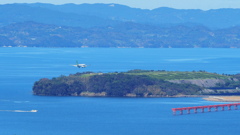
[(220, 98), (223, 98)]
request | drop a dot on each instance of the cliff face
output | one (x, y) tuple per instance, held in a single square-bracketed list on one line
[(201, 82)]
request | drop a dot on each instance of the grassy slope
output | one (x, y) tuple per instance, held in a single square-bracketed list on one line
[(170, 75), (177, 75)]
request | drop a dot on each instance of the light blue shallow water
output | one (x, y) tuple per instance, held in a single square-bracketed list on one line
[(21, 67)]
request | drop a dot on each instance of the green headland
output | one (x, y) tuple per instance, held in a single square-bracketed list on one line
[(139, 83)]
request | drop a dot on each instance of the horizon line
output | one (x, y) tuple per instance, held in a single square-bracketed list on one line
[(117, 4)]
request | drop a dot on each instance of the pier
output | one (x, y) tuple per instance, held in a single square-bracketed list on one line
[(208, 108)]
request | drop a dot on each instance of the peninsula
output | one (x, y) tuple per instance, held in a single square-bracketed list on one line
[(139, 83)]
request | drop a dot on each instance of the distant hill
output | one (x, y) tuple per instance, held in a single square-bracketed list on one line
[(90, 15), (113, 25), (15, 13), (33, 34)]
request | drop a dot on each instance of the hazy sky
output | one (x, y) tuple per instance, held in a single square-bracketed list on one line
[(147, 4)]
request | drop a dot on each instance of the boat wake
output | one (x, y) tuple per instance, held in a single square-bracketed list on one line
[(18, 110)]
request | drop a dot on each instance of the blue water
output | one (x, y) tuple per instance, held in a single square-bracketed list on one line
[(21, 67)]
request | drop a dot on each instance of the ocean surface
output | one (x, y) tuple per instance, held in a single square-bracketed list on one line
[(21, 67)]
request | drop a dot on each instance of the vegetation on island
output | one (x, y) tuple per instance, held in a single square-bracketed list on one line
[(141, 83)]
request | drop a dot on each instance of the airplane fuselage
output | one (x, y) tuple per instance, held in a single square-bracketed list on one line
[(80, 65)]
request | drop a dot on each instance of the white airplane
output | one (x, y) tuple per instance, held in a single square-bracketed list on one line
[(80, 65)]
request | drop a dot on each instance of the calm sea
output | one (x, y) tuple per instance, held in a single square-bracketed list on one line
[(21, 67)]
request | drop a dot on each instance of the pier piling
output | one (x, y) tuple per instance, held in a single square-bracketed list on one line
[(209, 107)]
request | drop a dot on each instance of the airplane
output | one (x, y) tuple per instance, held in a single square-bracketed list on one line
[(80, 65)]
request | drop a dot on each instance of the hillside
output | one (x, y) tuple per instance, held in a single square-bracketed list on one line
[(92, 15), (32, 34), (18, 13), (113, 25), (143, 83)]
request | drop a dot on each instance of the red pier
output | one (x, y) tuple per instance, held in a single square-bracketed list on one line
[(202, 108)]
